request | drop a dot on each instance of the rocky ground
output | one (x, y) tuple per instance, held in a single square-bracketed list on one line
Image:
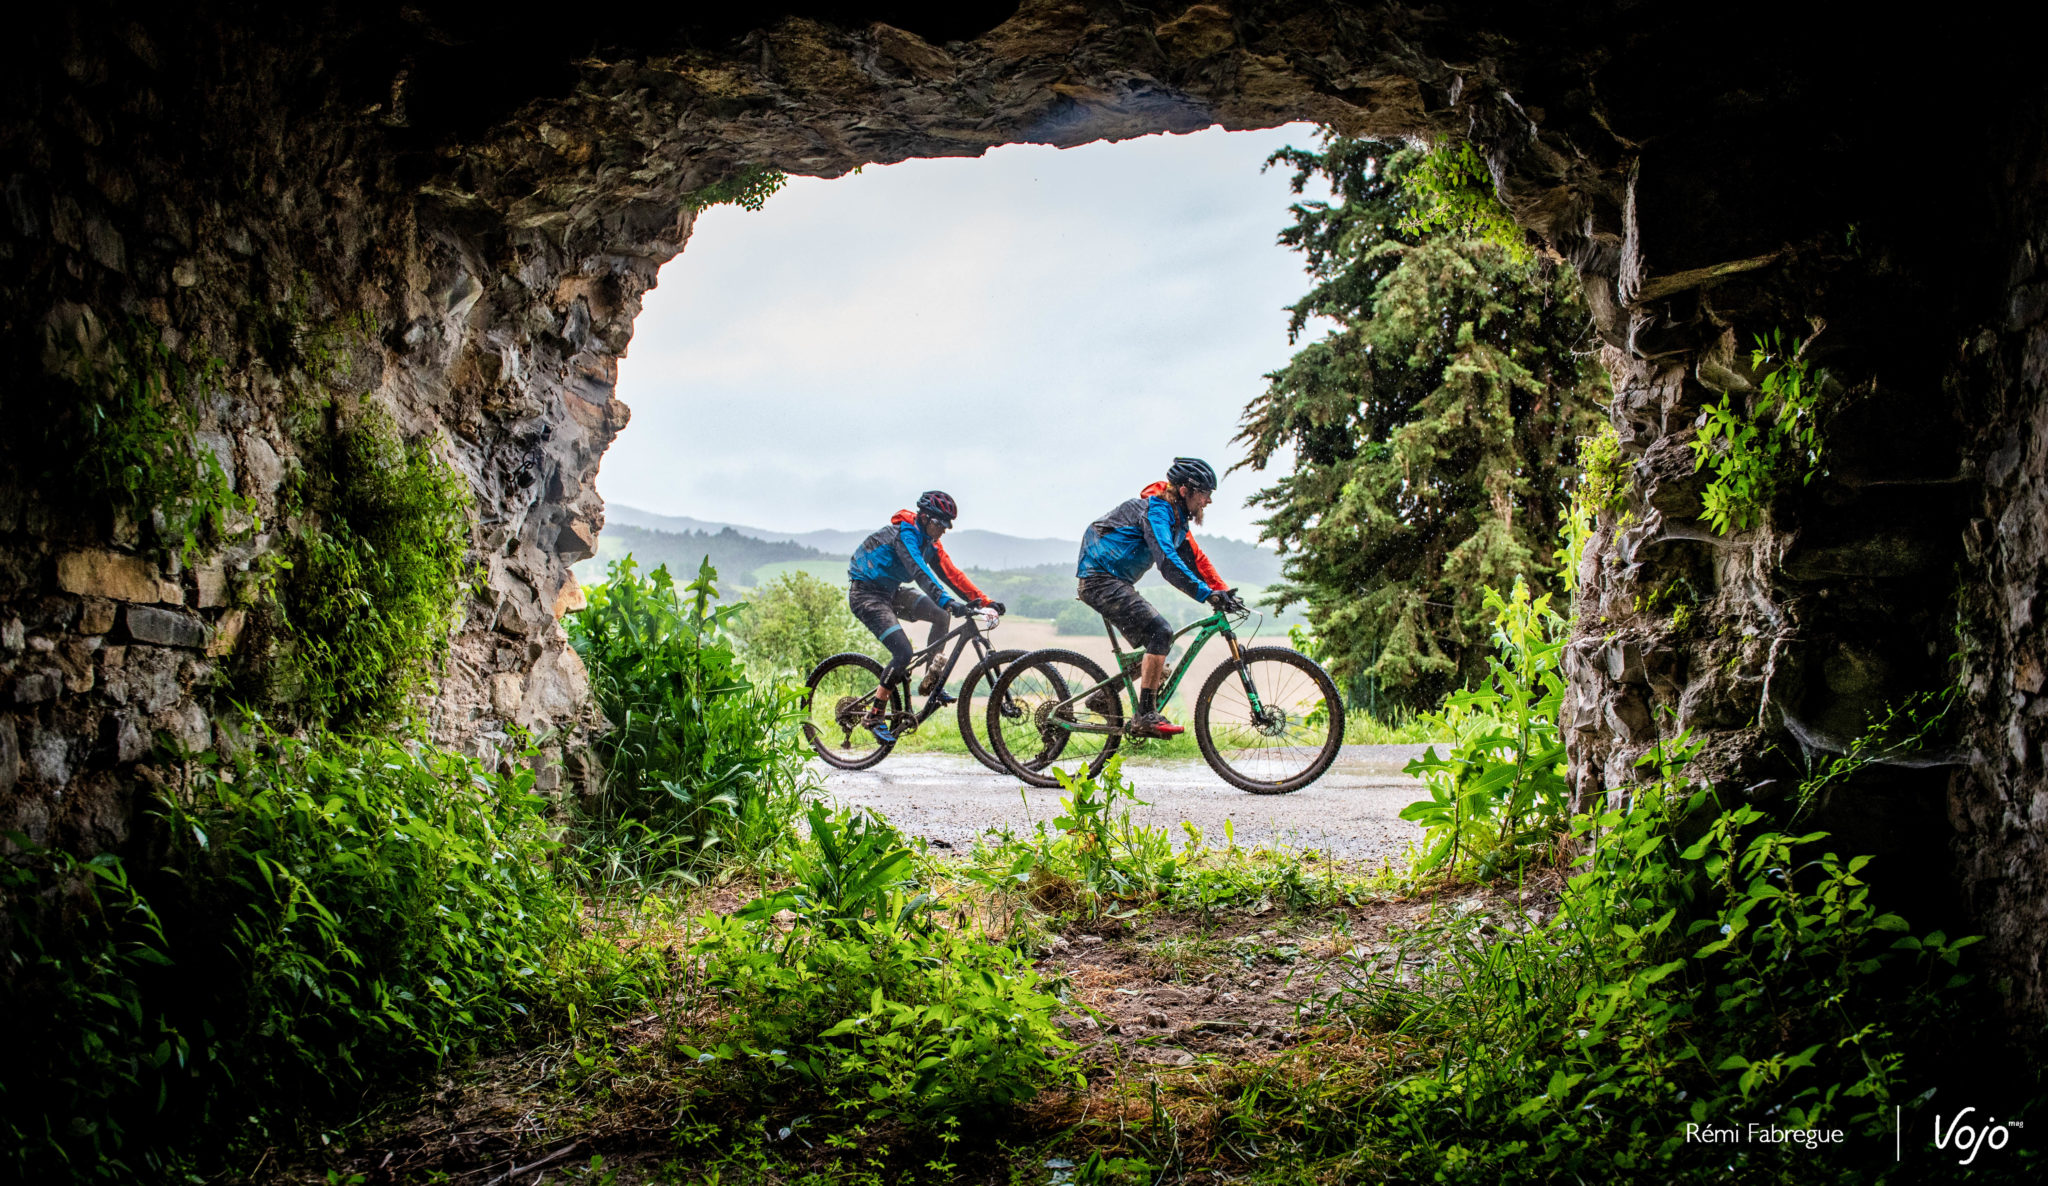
[(1352, 813)]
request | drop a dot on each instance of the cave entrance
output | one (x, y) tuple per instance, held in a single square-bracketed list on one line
[(1035, 330)]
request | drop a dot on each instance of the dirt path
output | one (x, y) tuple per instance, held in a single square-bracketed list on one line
[(1352, 812)]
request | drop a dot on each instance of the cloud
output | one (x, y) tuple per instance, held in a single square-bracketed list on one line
[(1037, 331)]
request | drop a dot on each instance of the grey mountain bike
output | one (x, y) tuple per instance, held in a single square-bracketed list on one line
[(841, 708)]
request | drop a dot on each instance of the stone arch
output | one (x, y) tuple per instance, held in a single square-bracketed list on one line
[(491, 194)]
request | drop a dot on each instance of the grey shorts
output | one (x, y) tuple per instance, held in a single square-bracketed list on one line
[(1128, 611), (883, 611)]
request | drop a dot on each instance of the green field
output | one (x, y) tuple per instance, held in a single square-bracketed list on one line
[(832, 572)]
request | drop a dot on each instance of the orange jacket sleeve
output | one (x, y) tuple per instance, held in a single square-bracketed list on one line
[(956, 578), (1203, 567)]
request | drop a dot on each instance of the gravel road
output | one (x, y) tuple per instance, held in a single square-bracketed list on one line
[(1352, 812)]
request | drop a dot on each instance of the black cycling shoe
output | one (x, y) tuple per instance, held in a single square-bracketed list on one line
[(945, 698), (1152, 724)]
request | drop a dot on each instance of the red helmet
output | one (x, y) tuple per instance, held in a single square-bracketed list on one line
[(939, 505)]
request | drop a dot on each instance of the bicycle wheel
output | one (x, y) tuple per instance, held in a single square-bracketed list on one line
[(1021, 707), (837, 698), (1290, 741), (974, 692)]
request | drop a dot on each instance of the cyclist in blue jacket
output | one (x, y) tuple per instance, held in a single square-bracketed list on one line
[(1119, 547), (907, 549)]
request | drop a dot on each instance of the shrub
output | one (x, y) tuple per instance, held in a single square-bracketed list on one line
[(795, 621), (1743, 975), (1602, 489), (1754, 449), (318, 916), (696, 751), (363, 613), (1500, 790), (870, 1003)]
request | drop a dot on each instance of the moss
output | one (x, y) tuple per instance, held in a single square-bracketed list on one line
[(377, 562)]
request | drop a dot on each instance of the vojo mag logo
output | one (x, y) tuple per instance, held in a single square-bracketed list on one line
[(1968, 1136)]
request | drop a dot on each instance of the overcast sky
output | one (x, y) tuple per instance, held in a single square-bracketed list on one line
[(1037, 331)]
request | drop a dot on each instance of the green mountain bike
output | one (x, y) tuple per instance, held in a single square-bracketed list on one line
[(1268, 720), (841, 709)]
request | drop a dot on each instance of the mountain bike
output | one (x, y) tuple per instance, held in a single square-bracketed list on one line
[(1269, 720), (841, 710)]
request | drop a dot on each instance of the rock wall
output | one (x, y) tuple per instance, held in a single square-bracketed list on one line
[(488, 200)]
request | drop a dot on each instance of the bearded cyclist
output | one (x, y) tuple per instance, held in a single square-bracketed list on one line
[(1152, 529), (908, 549)]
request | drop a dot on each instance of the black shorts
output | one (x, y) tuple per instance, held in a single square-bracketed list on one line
[(883, 611), (1128, 611)]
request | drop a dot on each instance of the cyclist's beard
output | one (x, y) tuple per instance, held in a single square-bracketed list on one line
[(1196, 516)]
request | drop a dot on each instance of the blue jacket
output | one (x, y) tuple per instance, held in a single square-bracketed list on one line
[(899, 553), (1144, 531)]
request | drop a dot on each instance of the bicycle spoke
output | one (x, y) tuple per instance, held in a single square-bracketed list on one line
[(839, 721), (1039, 724), (1284, 738)]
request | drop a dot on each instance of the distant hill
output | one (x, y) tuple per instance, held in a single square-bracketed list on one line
[(1239, 562), (733, 554)]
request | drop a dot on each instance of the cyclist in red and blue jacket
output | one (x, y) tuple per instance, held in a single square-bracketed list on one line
[(908, 550), (1119, 547)]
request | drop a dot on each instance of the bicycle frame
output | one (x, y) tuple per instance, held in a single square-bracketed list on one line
[(966, 633), (1204, 630)]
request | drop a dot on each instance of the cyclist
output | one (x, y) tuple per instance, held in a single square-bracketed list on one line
[(908, 549), (1117, 549)]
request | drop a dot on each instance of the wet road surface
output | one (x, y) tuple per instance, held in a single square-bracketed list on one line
[(1352, 812)]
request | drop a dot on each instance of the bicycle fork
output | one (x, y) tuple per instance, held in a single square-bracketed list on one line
[(1244, 675)]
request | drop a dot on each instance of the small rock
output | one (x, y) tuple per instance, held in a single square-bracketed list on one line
[(10, 755), (1091, 938), (1157, 1020), (49, 757), (1058, 943), (165, 627), (37, 686), (227, 632), (1228, 998), (96, 616), (223, 450), (266, 472), (508, 690), (213, 586), (113, 575), (12, 635)]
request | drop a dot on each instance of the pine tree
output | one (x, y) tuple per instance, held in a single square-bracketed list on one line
[(1434, 428)]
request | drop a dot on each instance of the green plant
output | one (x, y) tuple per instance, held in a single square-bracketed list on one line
[(696, 749), (867, 1002), (1754, 449), (318, 917), (362, 614), (1500, 791), (1452, 192), (749, 189), (1602, 488), (794, 621), (1744, 973), (114, 429)]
